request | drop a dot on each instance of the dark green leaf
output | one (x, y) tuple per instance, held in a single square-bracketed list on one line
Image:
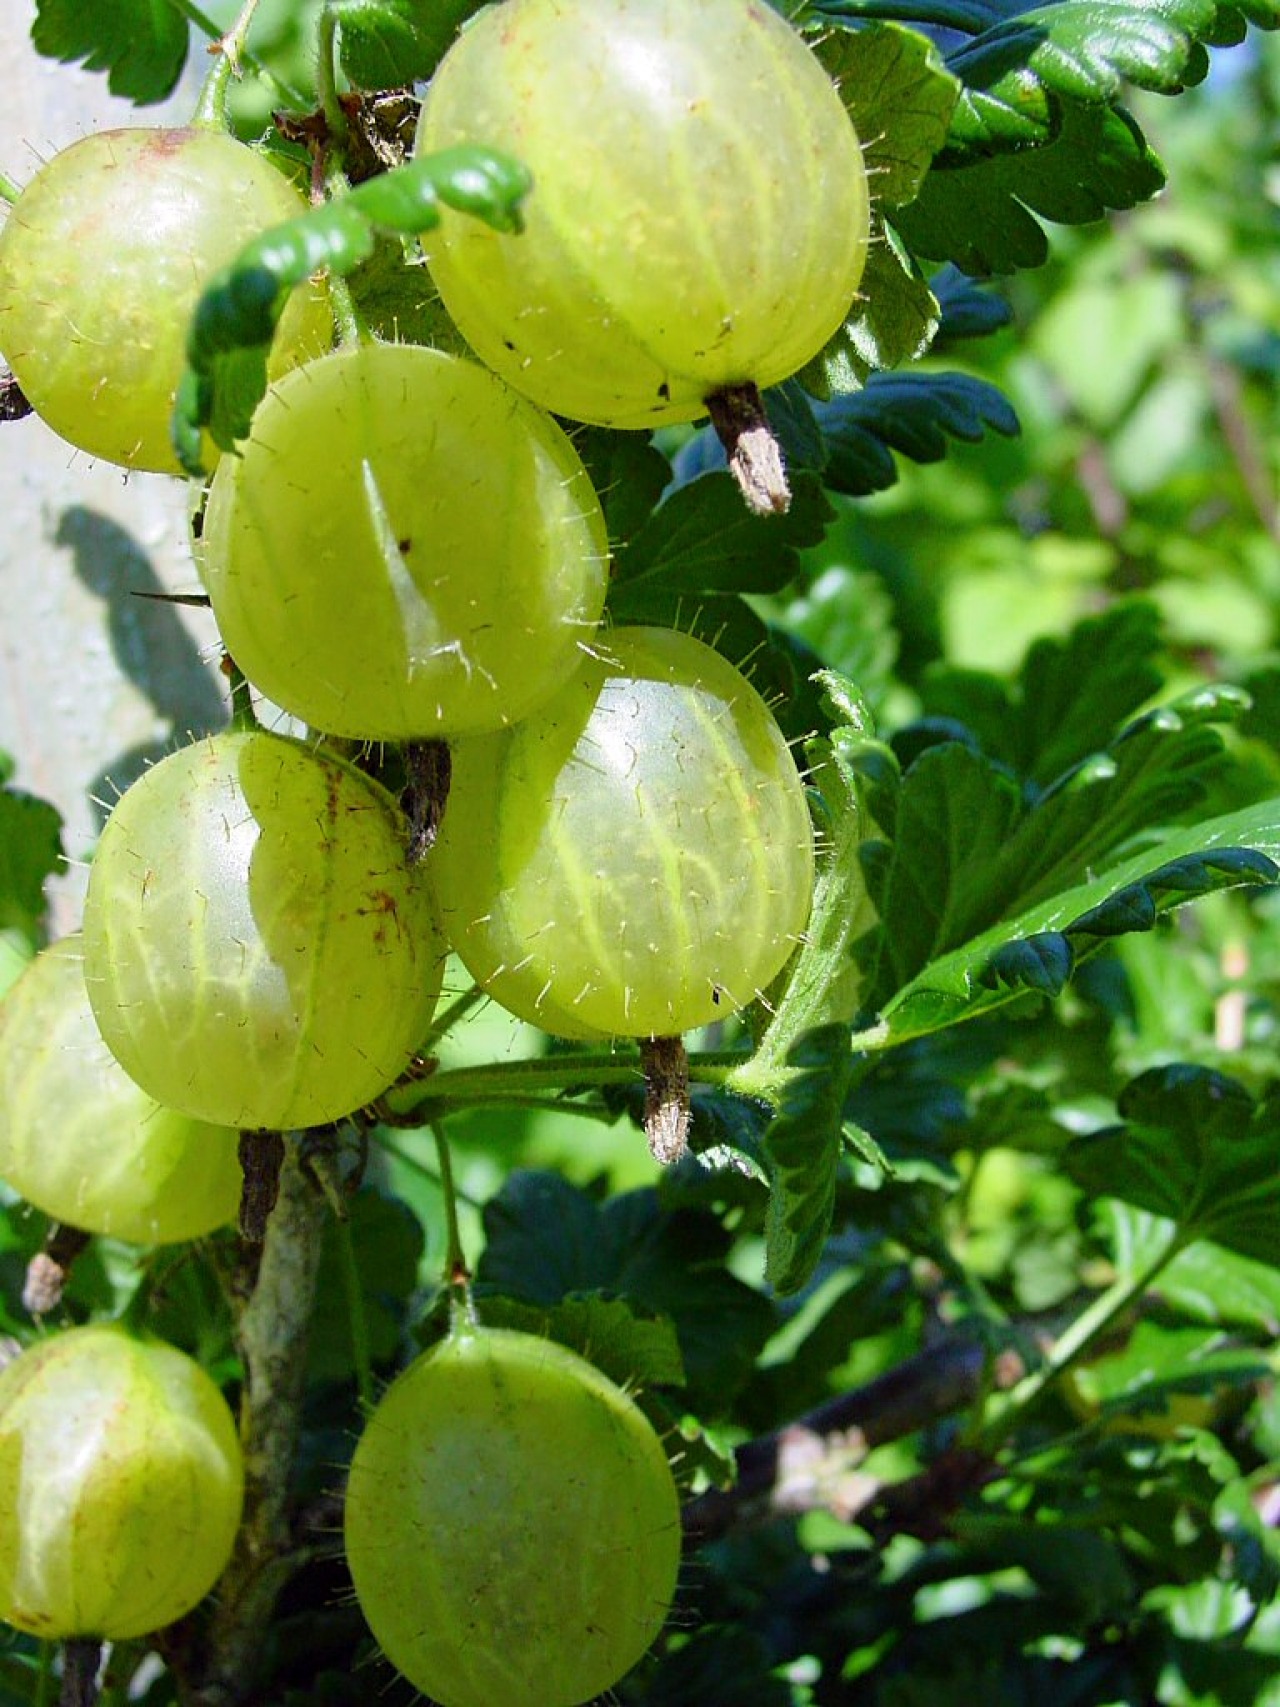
[(728, 1665), (911, 413), (631, 1348), (967, 310), (956, 811), (1069, 697), (546, 1239), (629, 476), (982, 213), (236, 316), (952, 987), (30, 852), (892, 321), (900, 98), (1078, 50), (1196, 1148), (387, 1243), (1085, 1570), (803, 1147), (140, 44), (703, 539), (387, 43)]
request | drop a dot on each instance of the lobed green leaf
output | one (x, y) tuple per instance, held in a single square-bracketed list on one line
[(913, 414), (140, 44), (702, 539), (1238, 848), (984, 212), (547, 1239), (901, 99), (1195, 1147), (385, 44)]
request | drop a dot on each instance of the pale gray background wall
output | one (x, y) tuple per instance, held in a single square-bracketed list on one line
[(93, 681)]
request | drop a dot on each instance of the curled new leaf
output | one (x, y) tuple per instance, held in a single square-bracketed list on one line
[(231, 332)]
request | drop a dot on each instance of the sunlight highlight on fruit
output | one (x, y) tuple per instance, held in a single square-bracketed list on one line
[(635, 858), (102, 260), (699, 216), (258, 951), (121, 1480), (405, 548)]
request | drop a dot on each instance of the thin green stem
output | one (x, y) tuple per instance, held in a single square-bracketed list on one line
[(498, 1081), (327, 75), (405, 1156), (457, 1276), (1106, 1308), (9, 191), (457, 1010), (349, 325), (357, 1316), (203, 22), (243, 717), (44, 1676)]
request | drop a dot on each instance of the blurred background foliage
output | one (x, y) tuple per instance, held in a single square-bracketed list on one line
[(1128, 1550)]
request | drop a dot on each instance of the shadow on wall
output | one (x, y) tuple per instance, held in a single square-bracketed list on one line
[(151, 646)]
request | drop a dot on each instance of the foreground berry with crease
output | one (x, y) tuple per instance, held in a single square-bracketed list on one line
[(636, 858)]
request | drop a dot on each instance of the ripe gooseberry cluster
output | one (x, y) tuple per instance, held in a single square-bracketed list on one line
[(409, 549)]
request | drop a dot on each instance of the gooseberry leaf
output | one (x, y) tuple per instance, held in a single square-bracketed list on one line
[(803, 1147), (1235, 849), (547, 1238), (1194, 1146), (140, 44), (900, 98), (913, 414), (386, 1241), (967, 310), (236, 317), (703, 539), (971, 845), (629, 1345), (629, 475), (894, 321), (1022, 63), (30, 853), (388, 43), (984, 212), (1069, 695)]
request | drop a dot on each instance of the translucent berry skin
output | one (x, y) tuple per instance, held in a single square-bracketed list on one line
[(512, 1525), (635, 858), (699, 215), (81, 1141), (121, 1481), (258, 952), (102, 259), (405, 548)]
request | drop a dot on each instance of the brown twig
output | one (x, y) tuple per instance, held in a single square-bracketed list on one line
[(81, 1661), (815, 1462), (272, 1336)]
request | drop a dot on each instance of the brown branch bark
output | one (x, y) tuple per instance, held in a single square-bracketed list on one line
[(816, 1462), (272, 1336)]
